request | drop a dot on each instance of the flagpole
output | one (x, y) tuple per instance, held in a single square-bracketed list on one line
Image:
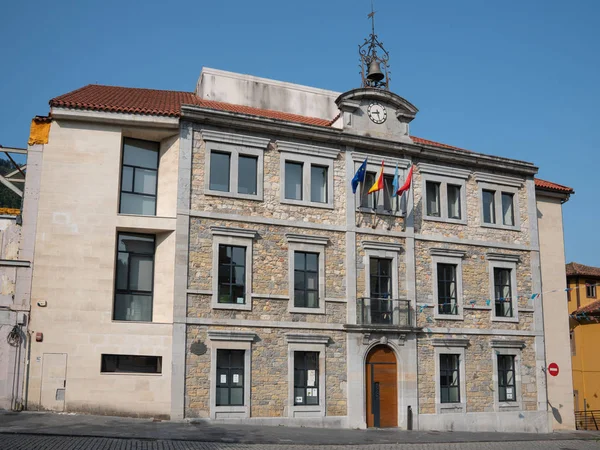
[(362, 191)]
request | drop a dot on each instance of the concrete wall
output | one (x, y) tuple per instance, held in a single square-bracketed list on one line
[(556, 314), (78, 222), (263, 93)]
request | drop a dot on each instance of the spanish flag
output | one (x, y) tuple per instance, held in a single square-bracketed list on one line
[(378, 185)]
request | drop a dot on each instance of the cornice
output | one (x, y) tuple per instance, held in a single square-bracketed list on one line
[(493, 256), (298, 338), (234, 232), (447, 252), (306, 239), (375, 159), (444, 170), (237, 336), (450, 342), (505, 343), (498, 179), (386, 246), (233, 138), (304, 149)]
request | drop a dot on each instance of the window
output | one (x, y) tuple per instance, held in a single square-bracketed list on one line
[(590, 289), (449, 378), (232, 274), (390, 204), (433, 198), (506, 378), (508, 215), (139, 176), (247, 175), (230, 378), (380, 280), (293, 180), (503, 292), (306, 378), (233, 165), (444, 193), (131, 364), (382, 200), (134, 277), (489, 207), (573, 345), (306, 280), (447, 289), (368, 201), (318, 184), (499, 205), (454, 211)]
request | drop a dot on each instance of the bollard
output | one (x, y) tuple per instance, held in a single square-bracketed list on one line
[(409, 418)]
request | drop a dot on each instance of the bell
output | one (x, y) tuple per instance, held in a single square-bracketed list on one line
[(374, 73)]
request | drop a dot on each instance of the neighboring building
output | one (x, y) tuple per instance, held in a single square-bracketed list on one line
[(203, 255), (549, 199), (584, 309)]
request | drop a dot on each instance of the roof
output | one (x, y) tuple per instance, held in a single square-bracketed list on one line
[(591, 308), (548, 185), (96, 97), (574, 269)]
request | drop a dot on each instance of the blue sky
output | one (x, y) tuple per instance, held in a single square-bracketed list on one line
[(514, 78)]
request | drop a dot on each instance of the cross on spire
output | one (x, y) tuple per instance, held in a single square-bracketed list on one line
[(371, 16)]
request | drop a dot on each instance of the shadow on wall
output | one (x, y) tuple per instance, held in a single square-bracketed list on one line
[(556, 413)]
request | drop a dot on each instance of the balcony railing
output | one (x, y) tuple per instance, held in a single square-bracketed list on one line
[(384, 311), (587, 420)]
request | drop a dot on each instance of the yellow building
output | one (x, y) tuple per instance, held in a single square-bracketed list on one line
[(584, 310)]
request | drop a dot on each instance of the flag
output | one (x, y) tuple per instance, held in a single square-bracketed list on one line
[(395, 183), (406, 184), (359, 176), (378, 185)]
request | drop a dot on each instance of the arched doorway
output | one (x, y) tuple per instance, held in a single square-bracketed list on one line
[(382, 388)]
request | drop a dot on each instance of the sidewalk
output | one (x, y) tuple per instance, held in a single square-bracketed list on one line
[(146, 429)]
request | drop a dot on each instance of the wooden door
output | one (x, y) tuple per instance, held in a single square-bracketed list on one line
[(382, 388), (54, 381)]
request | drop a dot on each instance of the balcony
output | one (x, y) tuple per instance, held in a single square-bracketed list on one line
[(384, 312)]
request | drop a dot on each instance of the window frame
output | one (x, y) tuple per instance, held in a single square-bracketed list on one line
[(497, 264), (444, 181), (227, 340), (590, 286), (307, 343), (239, 238), (398, 207), (498, 190), (305, 270), (308, 244), (236, 146), (454, 257), (509, 349), (305, 369), (230, 266), (444, 347), (117, 291), (158, 372), (158, 145), (512, 369), (229, 382), (455, 358), (307, 162)]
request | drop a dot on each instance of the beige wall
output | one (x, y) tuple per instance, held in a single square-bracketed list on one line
[(74, 270), (556, 315)]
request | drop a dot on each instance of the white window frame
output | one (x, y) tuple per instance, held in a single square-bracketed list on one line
[(308, 155), (444, 176), (498, 191), (232, 236), (452, 347), (230, 340), (235, 145), (306, 343), (502, 261), (311, 244), (511, 348), (447, 256)]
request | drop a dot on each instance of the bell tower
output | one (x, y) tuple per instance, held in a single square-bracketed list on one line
[(373, 110)]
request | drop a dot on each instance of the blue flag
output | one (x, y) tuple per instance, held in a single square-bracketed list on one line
[(395, 183), (359, 176)]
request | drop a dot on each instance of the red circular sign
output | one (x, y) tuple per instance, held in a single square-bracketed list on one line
[(553, 369)]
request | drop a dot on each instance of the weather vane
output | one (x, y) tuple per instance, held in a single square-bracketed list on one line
[(374, 68)]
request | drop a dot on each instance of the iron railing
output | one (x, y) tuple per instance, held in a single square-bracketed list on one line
[(384, 311), (587, 420)]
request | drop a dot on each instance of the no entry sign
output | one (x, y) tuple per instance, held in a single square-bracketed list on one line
[(553, 369)]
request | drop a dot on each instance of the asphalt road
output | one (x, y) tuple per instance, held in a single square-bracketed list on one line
[(45, 442)]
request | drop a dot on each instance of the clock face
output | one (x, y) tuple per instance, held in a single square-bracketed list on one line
[(377, 112)]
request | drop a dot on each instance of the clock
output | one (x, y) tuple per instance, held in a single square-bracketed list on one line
[(377, 113)]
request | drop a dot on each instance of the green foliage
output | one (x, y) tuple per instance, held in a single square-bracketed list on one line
[(8, 199)]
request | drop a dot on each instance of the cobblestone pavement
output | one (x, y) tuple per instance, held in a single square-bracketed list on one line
[(36, 442)]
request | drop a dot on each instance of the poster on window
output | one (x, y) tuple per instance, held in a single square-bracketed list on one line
[(240, 299), (509, 393), (236, 378), (298, 399), (223, 378), (311, 377), (312, 392)]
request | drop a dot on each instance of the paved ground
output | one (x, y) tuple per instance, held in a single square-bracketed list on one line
[(47, 431)]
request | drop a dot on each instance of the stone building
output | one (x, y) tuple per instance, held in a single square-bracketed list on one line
[(203, 255)]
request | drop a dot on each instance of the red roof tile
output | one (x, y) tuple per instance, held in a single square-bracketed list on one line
[(591, 308), (160, 103), (575, 269), (418, 140), (543, 184)]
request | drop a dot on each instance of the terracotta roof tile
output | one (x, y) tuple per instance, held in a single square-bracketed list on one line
[(575, 269), (591, 308), (10, 211), (543, 184), (418, 140)]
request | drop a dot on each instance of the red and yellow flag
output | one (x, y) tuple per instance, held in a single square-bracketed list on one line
[(378, 185)]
